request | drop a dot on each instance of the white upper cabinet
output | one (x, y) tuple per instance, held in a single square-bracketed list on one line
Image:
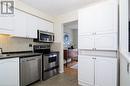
[(26, 25), (106, 42), (100, 18), (48, 26), (35, 23), (32, 26), (6, 24), (100, 21), (86, 42), (45, 25), (20, 24), (86, 21), (23, 24)]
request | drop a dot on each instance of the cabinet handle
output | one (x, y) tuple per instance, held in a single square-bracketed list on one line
[(128, 69), (93, 58)]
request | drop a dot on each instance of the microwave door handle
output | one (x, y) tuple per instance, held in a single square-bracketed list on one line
[(53, 37)]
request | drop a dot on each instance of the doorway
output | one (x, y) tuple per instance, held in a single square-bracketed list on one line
[(70, 34)]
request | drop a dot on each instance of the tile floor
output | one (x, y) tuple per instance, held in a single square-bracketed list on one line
[(68, 78)]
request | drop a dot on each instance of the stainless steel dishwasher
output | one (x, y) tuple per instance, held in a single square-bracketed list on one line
[(30, 69)]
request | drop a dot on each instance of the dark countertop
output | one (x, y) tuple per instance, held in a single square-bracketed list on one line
[(54, 51), (20, 55)]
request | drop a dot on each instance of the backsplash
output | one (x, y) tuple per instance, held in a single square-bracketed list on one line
[(13, 44)]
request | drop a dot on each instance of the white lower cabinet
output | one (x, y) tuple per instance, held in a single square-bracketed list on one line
[(105, 71), (97, 71), (86, 70), (9, 72)]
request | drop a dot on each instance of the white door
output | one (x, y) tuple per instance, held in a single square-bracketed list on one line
[(9, 72), (85, 70), (106, 41), (20, 24), (85, 42), (105, 71)]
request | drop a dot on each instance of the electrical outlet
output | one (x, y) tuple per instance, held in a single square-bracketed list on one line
[(30, 45)]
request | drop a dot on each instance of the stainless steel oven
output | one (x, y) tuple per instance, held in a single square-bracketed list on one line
[(45, 36), (50, 61), (51, 65)]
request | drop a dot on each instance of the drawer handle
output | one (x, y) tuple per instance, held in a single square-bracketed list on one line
[(93, 58), (31, 59)]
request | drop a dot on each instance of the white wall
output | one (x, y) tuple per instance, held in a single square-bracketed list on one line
[(75, 38), (125, 55), (58, 29)]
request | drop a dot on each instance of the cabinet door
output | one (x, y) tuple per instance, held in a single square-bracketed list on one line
[(106, 16), (45, 25), (85, 42), (9, 72), (6, 24), (48, 26), (86, 21), (105, 71), (106, 41), (85, 70), (32, 26), (20, 24), (101, 17)]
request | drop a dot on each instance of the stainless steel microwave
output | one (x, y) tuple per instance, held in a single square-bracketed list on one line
[(43, 36)]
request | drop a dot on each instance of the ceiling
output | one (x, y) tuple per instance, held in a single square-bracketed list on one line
[(58, 7)]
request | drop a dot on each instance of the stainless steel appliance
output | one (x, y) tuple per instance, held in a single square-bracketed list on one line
[(50, 61), (30, 69), (50, 65), (43, 36)]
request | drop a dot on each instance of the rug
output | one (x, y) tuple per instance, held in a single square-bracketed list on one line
[(74, 66)]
